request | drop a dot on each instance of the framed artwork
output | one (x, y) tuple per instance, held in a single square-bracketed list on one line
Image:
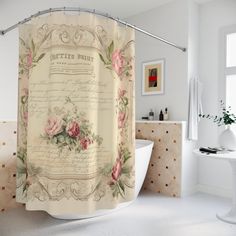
[(153, 77)]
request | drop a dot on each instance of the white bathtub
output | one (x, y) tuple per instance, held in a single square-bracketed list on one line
[(143, 150)]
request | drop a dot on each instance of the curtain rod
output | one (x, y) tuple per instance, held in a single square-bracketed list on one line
[(3, 32)]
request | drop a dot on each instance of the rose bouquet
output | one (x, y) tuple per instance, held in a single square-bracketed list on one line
[(70, 130)]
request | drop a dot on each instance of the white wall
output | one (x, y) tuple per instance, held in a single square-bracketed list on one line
[(214, 176), (171, 22)]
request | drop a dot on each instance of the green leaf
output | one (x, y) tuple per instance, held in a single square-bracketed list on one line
[(25, 188), (40, 57), (21, 168), (60, 138), (121, 185), (111, 48), (101, 57), (125, 170), (54, 140), (22, 42), (126, 101), (33, 46), (68, 140), (23, 99)]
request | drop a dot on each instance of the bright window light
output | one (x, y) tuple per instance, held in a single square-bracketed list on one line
[(231, 94), (231, 50)]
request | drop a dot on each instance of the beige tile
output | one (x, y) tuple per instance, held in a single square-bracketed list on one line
[(8, 138), (164, 172)]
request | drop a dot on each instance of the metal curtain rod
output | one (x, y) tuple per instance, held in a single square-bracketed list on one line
[(3, 32)]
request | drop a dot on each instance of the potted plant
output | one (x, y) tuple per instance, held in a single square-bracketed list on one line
[(227, 138)]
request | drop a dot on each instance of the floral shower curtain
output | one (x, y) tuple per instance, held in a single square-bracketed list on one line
[(75, 114)]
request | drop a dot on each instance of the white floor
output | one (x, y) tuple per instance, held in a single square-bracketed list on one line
[(150, 215)]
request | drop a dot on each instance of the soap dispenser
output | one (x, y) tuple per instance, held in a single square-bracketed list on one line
[(166, 115), (161, 116), (151, 115)]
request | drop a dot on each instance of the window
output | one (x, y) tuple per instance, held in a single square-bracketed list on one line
[(230, 70), (231, 50)]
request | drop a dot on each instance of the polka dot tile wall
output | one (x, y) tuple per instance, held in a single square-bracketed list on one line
[(8, 136), (164, 172)]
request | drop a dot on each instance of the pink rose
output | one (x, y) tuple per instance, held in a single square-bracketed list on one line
[(117, 61), (121, 119), (116, 170), (84, 143), (73, 129), (25, 117), (53, 126), (25, 91), (29, 59), (121, 93)]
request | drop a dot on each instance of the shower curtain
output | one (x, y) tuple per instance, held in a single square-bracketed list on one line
[(75, 114)]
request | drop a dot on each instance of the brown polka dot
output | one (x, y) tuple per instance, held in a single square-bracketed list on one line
[(3, 143), (159, 157), (138, 130), (167, 131), (14, 196), (3, 188), (14, 132), (2, 209), (153, 148), (174, 141), (14, 153), (159, 140), (159, 191), (152, 164), (167, 149), (166, 185), (174, 159), (151, 181), (167, 167), (174, 177), (152, 131), (14, 175), (3, 166), (159, 174), (174, 195)]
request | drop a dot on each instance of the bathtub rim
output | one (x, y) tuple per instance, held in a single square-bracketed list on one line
[(144, 143)]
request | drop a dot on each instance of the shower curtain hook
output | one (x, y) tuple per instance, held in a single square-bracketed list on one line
[(64, 10), (50, 9)]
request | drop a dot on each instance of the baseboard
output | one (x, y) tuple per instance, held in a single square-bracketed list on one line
[(218, 191), (189, 191)]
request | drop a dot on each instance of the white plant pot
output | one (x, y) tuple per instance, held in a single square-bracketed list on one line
[(227, 139)]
